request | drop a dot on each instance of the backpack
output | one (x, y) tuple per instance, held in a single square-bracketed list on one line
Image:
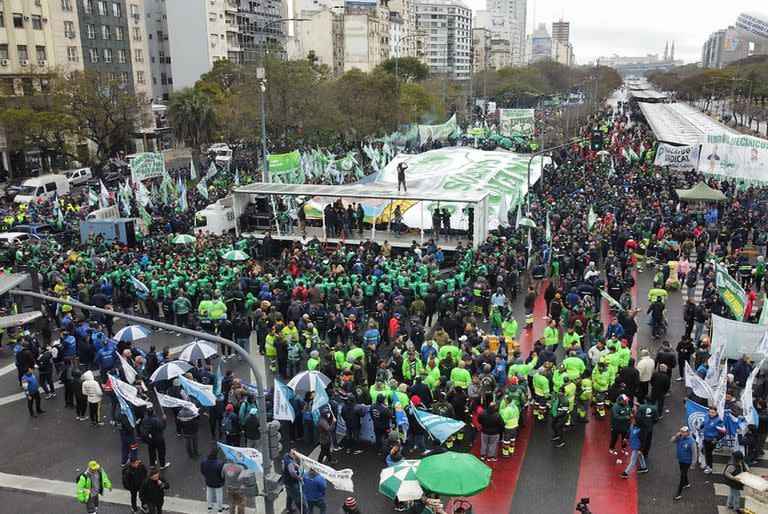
[(227, 425), (145, 433)]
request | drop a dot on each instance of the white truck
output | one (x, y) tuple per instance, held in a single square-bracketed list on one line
[(112, 213), (217, 218)]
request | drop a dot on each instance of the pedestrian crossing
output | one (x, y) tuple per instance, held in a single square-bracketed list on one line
[(719, 461)]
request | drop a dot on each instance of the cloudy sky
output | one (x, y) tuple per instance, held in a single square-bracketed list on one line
[(637, 27)]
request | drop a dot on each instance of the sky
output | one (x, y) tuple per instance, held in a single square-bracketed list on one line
[(637, 27)]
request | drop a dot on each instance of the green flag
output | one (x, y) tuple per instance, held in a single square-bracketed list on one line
[(202, 188), (548, 230), (731, 292), (93, 197), (764, 313), (591, 218), (145, 216), (616, 305)]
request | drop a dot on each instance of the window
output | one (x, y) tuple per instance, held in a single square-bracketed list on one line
[(22, 51), (37, 22), (3, 51), (140, 77), (139, 55), (107, 55), (136, 33), (69, 29), (66, 5), (72, 54), (170, 81), (88, 6), (40, 53), (119, 33), (94, 54), (117, 10), (121, 56), (124, 78), (103, 8), (2, 19), (18, 20), (106, 33), (90, 31), (135, 11), (163, 79)]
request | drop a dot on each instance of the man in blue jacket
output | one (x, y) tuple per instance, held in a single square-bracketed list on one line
[(210, 468), (314, 487), (686, 454), (291, 478), (32, 391), (105, 357), (712, 432)]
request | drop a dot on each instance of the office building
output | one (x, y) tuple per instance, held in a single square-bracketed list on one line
[(447, 25), (541, 44), (723, 47), (105, 36), (506, 19), (366, 35)]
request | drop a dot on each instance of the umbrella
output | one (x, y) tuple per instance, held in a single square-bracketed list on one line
[(132, 333), (170, 370), (400, 482), (603, 152), (495, 137), (197, 350), (307, 381), (506, 143), (453, 474), (236, 255), (183, 239), (526, 222)]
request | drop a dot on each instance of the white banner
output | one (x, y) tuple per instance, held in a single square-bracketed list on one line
[(735, 156), (516, 122), (736, 337), (171, 402), (437, 132), (694, 381), (127, 391), (282, 407), (341, 479), (147, 165), (128, 371), (746, 395), (677, 157)]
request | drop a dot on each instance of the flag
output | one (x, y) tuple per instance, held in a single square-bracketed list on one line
[(145, 216), (202, 188), (128, 371), (212, 170), (139, 285), (192, 170), (142, 194), (60, 215), (764, 312), (179, 185), (746, 394), (282, 408), (401, 419), (439, 427), (248, 457), (718, 397), (714, 367), (613, 303), (731, 292), (591, 218), (548, 230), (218, 380), (93, 198), (103, 195), (319, 401), (183, 204), (171, 402), (201, 392), (341, 479), (518, 216), (237, 177), (127, 392), (126, 409), (696, 415), (699, 386)]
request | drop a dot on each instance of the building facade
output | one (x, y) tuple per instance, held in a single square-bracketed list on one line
[(366, 35), (105, 35), (506, 19), (67, 54), (405, 11), (257, 31), (159, 49), (447, 25), (541, 44), (723, 47)]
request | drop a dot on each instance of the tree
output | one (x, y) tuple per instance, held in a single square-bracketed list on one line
[(365, 101), (418, 102), (409, 69), (191, 116)]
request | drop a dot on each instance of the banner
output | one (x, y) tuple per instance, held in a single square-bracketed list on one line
[(203, 393), (439, 427), (283, 410), (516, 122), (318, 402), (746, 395), (280, 163), (248, 457), (171, 403), (677, 157), (127, 392), (696, 416), (735, 156), (401, 419), (737, 338), (147, 165), (714, 367), (437, 132), (699, 387), (126, 409), (730, 291), (341, 479)]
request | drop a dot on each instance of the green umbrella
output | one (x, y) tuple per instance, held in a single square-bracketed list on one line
[(506, 143), (183, 239), (526, 222), (399, 481), (453, 474), (495, 138), (236, 255)]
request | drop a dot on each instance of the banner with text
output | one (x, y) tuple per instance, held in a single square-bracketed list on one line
[(280, 163), (516, 122), (677, 157), (737, 338), (434, 132), (730, 291), (147, 165), (341, 479), (735, 156)]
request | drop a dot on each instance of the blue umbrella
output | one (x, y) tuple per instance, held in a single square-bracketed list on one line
[(132, 333), (197, 350), (170, 370)]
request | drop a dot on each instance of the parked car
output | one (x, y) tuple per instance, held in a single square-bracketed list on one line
[(78, 176), (16, 237), (44, 187), (40, 230), (111, 179)]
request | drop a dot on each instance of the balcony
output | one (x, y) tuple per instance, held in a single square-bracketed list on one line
[(231, 6)]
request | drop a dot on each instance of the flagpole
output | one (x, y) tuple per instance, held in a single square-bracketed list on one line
[(158, 401)]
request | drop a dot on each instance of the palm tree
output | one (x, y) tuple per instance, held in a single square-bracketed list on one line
[(191, 116)]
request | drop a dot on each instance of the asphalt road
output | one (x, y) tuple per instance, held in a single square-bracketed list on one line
[(56, 446)]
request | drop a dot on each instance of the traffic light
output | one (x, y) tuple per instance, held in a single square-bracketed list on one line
[(274, 484), (274, 439), (596, 141)]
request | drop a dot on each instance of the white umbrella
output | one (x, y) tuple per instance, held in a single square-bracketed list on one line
[(197, 350), (308, 380), (170, 370), (132, 333)]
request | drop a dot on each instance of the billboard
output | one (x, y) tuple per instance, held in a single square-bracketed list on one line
[(735, 156), (516, 122)]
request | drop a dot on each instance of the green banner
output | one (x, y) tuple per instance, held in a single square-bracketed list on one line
[(147, 165), (516, 122), (284, 162), (435, 132), (731, 292)]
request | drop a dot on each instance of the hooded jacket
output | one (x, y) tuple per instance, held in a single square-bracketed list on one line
[(91, 388)]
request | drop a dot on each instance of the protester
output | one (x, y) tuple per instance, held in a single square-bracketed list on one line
[(91, 484), (152, 492), (134, 475)]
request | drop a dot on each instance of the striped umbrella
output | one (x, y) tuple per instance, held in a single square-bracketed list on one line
[(197, 350), (400, 482), (170, 370), (183, 239), (235, 255), (132, 333), (308, 381)]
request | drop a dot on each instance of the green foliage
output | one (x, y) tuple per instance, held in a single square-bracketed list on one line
[(409, 69), (192, 116)]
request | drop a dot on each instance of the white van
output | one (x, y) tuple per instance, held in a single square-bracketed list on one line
[(222, 152), (44, 187), (78, 176)]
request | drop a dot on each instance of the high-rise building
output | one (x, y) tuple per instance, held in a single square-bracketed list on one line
[(407, 42), (258, 33), (366, 35), (506, 19), (67, 54), (159, 48), (447, 25), (562, 50), (561, 31), (489, 51), (541, 44), (723, 47)]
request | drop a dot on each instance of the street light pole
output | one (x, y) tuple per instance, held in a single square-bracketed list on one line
[(269, 507)]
